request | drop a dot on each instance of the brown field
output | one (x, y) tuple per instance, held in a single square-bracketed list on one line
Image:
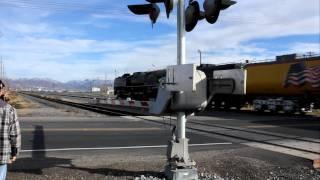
[(18, 102), (316, 112)]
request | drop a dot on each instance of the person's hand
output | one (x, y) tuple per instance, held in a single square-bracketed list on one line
[(12, 159)]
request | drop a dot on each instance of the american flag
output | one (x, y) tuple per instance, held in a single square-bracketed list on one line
[(300, 75)]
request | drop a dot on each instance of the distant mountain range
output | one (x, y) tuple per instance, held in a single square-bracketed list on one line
[(49, 84)]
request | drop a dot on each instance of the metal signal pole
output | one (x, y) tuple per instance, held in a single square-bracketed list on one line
[(181, 52), (180, 166), (181, 33)]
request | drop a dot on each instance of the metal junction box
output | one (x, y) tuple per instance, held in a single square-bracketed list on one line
[(185, 89), (191, 85), (181, 78)]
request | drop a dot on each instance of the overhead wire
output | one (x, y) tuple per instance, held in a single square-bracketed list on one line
[(49, 3), (43, 2), (59, 7)]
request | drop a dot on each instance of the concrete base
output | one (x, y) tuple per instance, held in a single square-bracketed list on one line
[(179, 152), (182, 174)]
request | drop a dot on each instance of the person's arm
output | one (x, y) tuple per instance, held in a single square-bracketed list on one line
[(14, 135)]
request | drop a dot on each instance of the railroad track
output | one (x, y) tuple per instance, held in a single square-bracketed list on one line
[(244, 111), (298, 146), (89, 107), (258, 132), (269, 138), (78, 96)]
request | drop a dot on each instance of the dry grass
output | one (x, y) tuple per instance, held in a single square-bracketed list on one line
[(316, 112), (18, 102)]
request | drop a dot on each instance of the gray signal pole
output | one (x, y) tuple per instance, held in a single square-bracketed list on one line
[(181, 48), (180, 167)]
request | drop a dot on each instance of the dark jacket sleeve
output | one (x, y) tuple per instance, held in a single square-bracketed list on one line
[(15, 134)]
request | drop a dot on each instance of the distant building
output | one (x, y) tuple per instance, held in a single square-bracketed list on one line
[(107, 90), (110, 92), (95, 89)]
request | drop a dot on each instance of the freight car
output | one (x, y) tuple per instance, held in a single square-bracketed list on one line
[(288, 84)]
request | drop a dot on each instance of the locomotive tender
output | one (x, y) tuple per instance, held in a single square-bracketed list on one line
[(288, 84)]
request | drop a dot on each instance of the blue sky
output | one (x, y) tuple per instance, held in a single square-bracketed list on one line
[(72, 40)]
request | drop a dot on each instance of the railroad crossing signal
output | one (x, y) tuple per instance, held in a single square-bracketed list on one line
[(152, 9), (211, 10), (180, 166), (167, 3)]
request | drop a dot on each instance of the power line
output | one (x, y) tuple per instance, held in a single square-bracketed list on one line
[(48, 3), (62, 9), (80, 7), (101, 8), (60, 6)]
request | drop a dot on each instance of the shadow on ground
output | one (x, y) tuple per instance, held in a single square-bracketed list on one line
[(36, 164), (38, 161)]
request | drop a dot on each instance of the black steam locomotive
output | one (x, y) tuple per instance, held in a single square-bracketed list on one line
[(139, 85), (144, 85)]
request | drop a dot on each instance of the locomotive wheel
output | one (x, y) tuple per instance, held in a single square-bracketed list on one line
[(217, 105), (238, 107)]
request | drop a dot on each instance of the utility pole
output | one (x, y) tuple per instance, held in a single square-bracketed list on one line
[(106, 83), (200, 53), (1, 73), (1, 67)]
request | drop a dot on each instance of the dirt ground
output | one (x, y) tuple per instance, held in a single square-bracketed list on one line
[(236, 164)]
